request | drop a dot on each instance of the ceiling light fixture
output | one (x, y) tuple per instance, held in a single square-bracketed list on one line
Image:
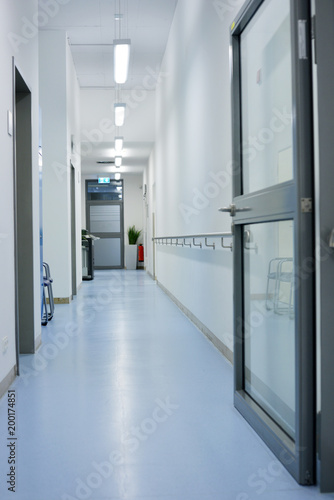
[(118, 161), (119, 109), (121, 60), (119, 141), (117, 177)]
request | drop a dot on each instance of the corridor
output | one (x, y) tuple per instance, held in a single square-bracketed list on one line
[(126, 399)]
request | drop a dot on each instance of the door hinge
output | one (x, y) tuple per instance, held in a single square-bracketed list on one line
[(302, 44), (314, 36), (306, 205), (313, 28)]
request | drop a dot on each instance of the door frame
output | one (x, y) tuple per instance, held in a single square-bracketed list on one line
[(23, 216), (120, 235), (73, 229), (324, 41), (298, 457)]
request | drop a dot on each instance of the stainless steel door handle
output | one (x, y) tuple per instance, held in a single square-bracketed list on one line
[(232, 209)]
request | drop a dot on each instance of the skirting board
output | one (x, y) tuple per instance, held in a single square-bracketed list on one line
[(7, 381), (62, 300), (216, 342)]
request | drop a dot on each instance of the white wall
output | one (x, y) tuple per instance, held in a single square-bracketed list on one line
[(73, 149), (133, 204), (60, 103), (15, 43), (149, 215), (192, 160)]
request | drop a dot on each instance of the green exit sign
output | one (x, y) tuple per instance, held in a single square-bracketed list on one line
[(104, 180)]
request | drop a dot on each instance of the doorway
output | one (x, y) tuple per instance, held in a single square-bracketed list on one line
[(73, 233), (105, 221), (23, 216)]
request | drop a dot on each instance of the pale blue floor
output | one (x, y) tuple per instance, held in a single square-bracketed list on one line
[(127, 400)]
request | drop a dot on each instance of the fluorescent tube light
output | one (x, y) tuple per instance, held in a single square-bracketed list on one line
[(119, 109), (121, 60), (119, 143), (118, 161)]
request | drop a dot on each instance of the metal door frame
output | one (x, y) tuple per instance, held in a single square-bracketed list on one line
[(285, 203), (23, 211), (120, 235), (73, 229), (324, 42)]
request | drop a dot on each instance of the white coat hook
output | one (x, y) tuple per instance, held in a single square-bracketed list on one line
[(210, 246), (227, 246)]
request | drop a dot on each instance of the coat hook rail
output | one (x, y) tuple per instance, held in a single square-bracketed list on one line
[(180, 241)]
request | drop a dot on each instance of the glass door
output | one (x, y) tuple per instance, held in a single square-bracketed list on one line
[(273, 227), (106, 222)]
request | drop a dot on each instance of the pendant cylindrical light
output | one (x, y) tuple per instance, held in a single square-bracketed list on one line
[(119, 141), (121, 60), (118, 161), (119, 109)]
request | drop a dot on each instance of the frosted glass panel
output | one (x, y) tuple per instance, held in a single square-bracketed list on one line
[(105, 219), (107, 252), (266, 98), (269, 376)]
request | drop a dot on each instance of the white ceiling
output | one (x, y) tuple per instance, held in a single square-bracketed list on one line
[(91, 29)]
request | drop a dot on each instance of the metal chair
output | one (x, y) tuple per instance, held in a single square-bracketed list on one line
[(280, 270), (47, 312)]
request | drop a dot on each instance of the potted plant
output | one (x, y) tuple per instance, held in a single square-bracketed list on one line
[(131, 250)]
